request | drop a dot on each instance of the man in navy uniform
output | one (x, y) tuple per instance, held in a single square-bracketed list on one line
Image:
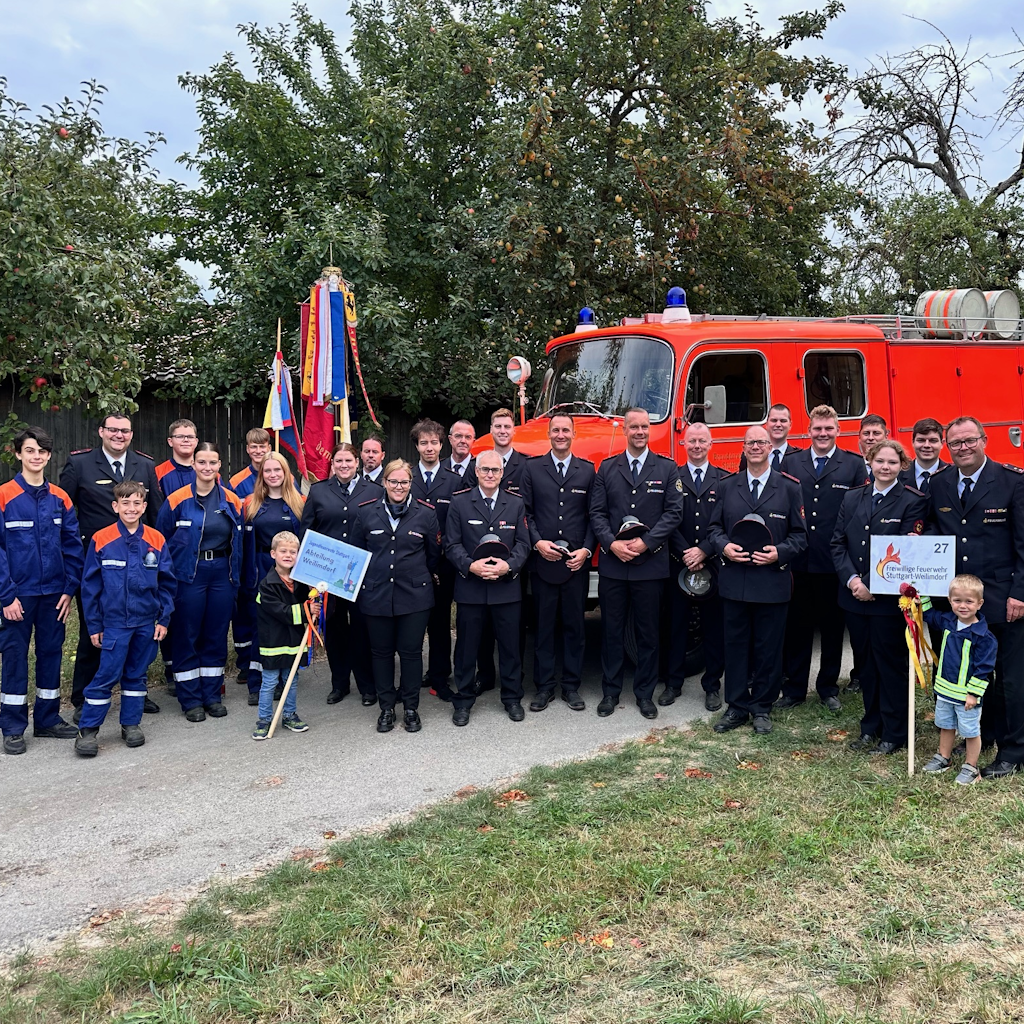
[(780, 423), (691, 549), (756, 585), (435, 484), (487, 588), (557, 489), (826, 473), (646, 486), (89, 477), (461, 461), (981, 503), (926, 437)]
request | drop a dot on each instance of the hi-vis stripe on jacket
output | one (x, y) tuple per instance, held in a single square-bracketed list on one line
[(279, 621), (181, 521)]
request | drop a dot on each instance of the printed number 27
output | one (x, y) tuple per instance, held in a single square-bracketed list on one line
[(941, 548)]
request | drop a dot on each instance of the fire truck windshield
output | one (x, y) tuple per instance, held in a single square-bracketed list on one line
[(608, 375)]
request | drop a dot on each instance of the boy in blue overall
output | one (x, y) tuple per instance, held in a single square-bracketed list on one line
[(40, 568), (967, 658), (127, 598)]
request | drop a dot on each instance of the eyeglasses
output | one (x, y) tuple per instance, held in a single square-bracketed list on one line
[(118, 430), (757, 444), (184, 437), (392, 482), (964, 442), (488, 469)]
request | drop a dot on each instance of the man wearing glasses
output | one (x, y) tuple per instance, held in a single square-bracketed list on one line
[(981, 503), (460, 461), (755, 579), (178, 471), (487, 589), (89, 477)]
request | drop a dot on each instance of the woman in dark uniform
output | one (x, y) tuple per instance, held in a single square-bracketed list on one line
[(202, 523), (883, 508), (331, 509), (274, 505), (403, 538)]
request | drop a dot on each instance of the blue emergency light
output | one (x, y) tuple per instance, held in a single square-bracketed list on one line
[(586, 322), (675, 297)]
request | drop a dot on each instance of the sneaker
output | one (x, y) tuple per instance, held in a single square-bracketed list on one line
[(968, 775), (261, 730), (294, 724), (937, 764)]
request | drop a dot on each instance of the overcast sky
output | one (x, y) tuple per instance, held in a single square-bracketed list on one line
[(137, 48)]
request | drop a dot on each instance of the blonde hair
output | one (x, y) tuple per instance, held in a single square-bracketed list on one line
[(971, 584), (823, 412), (396, 464), (261, 492), (895, 446), (284, 537)]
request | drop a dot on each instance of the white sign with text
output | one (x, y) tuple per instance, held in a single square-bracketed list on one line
[(929, 563)]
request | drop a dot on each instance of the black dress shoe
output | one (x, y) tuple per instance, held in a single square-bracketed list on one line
[(150, 707), (460, 716), (368, 701), (853, 686), (411, 721), (832, 703), (132, 735), (216, 709), (15, 743), (762, 725), (60, 730), (885, 747), (668, 697), (864, 742), (574, 700), (712, 700), (386, 721), (999, 770), (542, 700), (785, 703), (515, 711), (647, 708), (607, 706), (335, 696), (730, 720), (195, 715)]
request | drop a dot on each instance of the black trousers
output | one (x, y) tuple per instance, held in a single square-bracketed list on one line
[(470, 621), (616, 598), (404, 634), (880, 643), (348, 651), (1002, 710), (439, 631), (712, 634), (753, 656), (815, 606), (87, 659), (485, 655), (569, 598)]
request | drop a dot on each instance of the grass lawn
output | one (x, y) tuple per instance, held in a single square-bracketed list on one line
[(684, 878)]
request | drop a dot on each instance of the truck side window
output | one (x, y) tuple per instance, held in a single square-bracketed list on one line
[(836, 379), (745, 378)]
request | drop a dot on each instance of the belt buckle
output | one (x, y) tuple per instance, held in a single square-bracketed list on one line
[(206, 556)]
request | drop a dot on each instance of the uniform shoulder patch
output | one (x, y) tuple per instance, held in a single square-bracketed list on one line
[(789, 476), (1013, 468), (918, 526), (370, 501), (423, 501), (679, 485), (914, 490), (145, 455), (465, 490), (81, 451), (153, 537)]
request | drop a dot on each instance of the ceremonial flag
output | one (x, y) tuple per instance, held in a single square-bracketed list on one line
[(279, 413), (337, 381), (318, 424)]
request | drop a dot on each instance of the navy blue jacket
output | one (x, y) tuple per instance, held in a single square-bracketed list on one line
[(656, 499), (399, 579), (40, 547), (559, 509), (181, 521), (694, 527), (256, 560), (331, 511), (443, 485)]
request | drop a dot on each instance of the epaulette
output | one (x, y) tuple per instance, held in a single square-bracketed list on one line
[(371, 501), (921, 494), (81, 451), (1015, 469), (144, 455), (789, 476), (465, 490), (423, 501)]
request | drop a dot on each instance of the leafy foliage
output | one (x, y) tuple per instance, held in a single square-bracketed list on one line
[(482, 175)]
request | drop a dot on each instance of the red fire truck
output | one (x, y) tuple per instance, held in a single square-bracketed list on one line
[(963, 354)]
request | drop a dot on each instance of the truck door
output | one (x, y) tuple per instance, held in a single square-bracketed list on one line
[(990, 389)]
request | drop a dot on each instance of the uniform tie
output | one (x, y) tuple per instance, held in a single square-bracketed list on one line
[(636, 470), (754, 488), (561, 471), (118, 473), (877, 500), (968, 483), (490, 504), (458, 468), (924, 481), (427, 477), (819, 464), (697, 477), (776, 459)]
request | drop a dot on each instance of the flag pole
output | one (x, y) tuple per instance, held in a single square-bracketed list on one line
[(277, 381)]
